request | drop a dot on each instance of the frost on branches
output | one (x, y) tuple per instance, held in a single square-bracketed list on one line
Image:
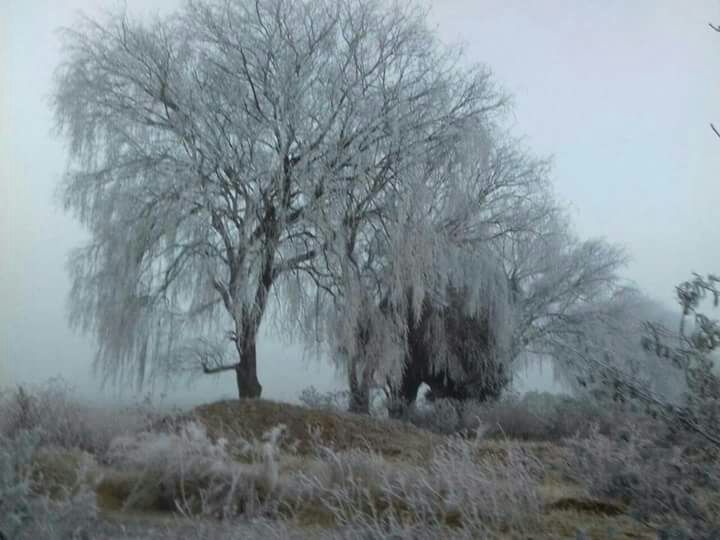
[(215, 152), (331, 154)]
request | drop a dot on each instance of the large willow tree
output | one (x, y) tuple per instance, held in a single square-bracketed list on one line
[(225, 149)]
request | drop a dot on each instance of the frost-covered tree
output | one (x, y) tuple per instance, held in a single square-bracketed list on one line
[(221, 151), (460, 342), (574, 309), (546, 284), (406, 299)]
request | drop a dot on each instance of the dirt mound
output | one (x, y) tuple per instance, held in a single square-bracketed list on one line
[(339, 431)]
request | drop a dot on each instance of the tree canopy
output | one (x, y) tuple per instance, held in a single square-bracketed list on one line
[(214, 153), (334, 154)]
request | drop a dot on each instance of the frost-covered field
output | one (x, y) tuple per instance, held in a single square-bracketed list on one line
[(537, 467)]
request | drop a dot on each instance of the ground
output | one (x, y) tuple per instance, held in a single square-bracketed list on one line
[(565, 507)]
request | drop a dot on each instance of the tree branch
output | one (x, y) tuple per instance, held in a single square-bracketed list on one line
[(218, 369)]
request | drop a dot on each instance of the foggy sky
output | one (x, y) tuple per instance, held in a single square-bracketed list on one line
[(620, 93)]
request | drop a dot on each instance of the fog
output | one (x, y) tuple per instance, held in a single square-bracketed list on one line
[(619, 93)]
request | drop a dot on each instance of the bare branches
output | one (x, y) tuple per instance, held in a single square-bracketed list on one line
[(240, 146)]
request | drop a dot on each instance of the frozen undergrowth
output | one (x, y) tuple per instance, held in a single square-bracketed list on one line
[(24, 514)]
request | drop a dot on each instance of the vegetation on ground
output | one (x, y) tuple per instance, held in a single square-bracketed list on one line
[(328, 474)]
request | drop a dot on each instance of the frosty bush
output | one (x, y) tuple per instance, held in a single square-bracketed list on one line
[(668, 469), (61, 420), (26, 515), (695, 419), (660, 484), (311, 397), (442, 416), (460, 490), (187, 471), (15, 493), (534, 416)]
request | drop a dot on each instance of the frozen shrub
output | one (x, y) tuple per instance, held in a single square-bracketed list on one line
[(657, 483), (57, 472), (511, 417), (694, 420), (460, 490), (669, 471), (185, 470), (25, 514), (534, 416), (314, 399), (15, 487), (72, 518), (442, 416), (63, 421), (544, 416)]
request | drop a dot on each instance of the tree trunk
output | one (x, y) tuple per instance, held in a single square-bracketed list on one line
[(246, 371), (359, 390), (403, 396)]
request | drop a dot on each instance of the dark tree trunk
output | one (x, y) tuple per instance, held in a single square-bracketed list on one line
[(360, 402), (469, 338), (359, 390), (403, 395), (246, 371)]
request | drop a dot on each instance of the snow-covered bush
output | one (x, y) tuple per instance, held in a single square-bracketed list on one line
[(15, 488), (461, 490), (314, 399), (61, 420), (659, 483), (27, 515), (441, 416), (533, 416), (542, 416), (186, 470)]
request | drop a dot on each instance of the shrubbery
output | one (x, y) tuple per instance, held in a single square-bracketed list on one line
[(27, 514), (539, 416), (659, 483), (62, 421), (188, 472), (460, 492)]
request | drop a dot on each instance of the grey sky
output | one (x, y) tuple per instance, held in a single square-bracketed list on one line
[(621, 93)]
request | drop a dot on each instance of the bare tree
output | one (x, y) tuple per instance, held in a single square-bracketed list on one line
[(215, 152)]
